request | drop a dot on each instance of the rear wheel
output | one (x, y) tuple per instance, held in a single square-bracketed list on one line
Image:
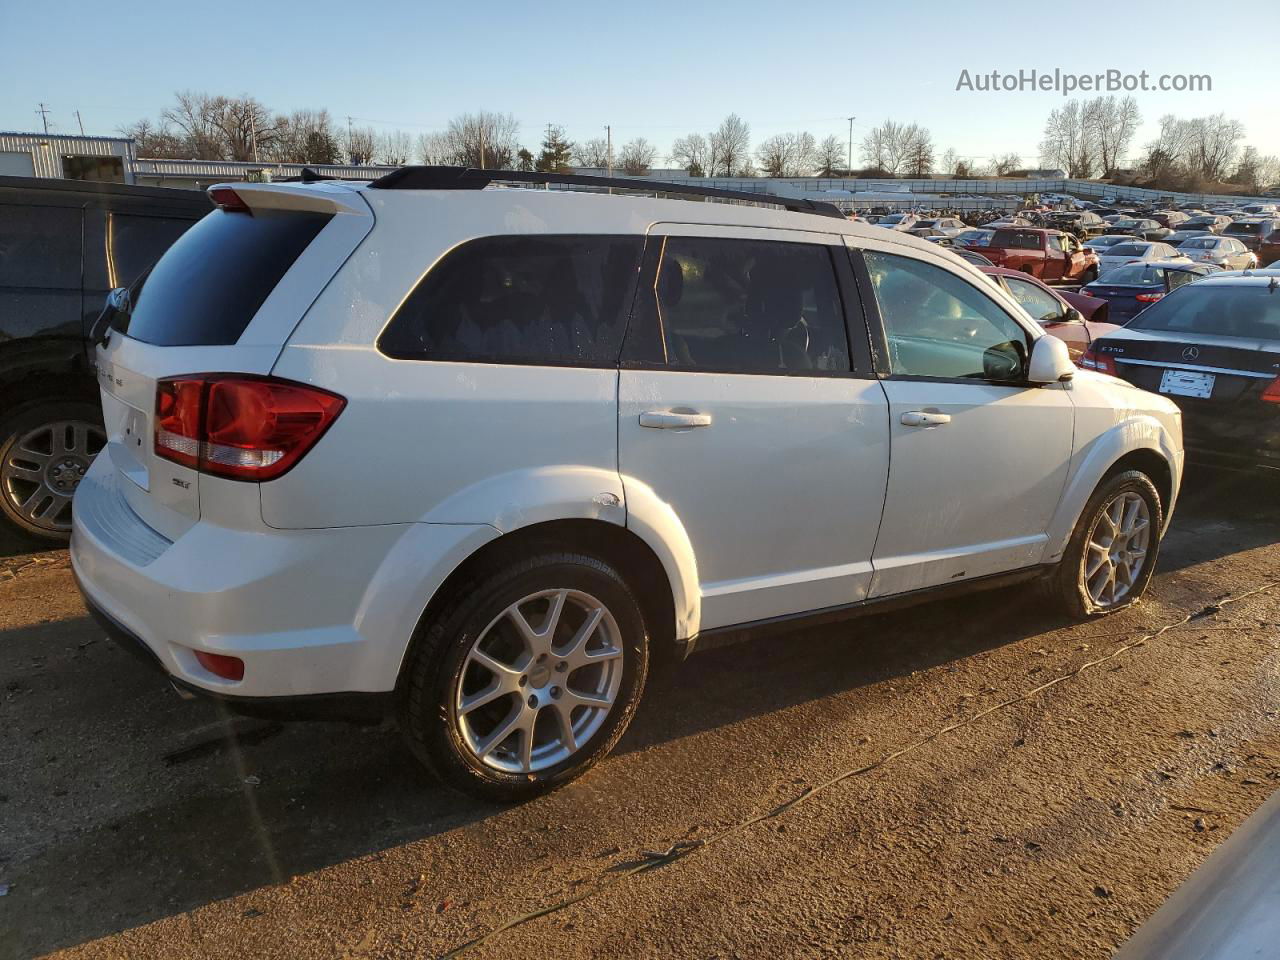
[(45, 448), (526, 680), (1112, 553)]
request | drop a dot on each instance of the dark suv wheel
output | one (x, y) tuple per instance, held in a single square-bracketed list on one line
[(45, 448), (527, 678)]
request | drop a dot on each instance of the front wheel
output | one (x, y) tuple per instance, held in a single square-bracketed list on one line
[(526, 679), (1112, 552)]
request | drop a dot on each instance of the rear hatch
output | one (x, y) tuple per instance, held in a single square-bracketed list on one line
[(223, 299)]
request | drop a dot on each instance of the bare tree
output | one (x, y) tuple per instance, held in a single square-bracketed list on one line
[(1005, 165), (436, 150), (963, 170), (1071, 140), (949, 161), (638, 156), (592, 153), (692, 153), (158, 141), (787, 155), (193, 115), (395, 148), (830, 157), (730, 148), (362, 145), (305, 136), (1115, 122), (898, 149), (1214, 143), (485, 139), (1192, 152)]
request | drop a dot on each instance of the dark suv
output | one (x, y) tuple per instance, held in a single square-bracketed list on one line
[(63, 246)]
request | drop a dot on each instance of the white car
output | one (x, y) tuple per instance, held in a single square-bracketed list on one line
[(1225, 252), (470, 457), (1100, 245), (1135, 251), (898, 221)]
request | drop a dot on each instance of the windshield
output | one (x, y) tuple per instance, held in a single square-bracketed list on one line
[(1126, 224), (1129, 250), (1251, 312)]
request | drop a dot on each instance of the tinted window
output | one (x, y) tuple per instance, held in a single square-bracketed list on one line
[(1252, 312), (1178, 278), (938, 325), (521, 299), (1128, 250), (1041, 304), (1135, 275), (1244, 229), (1016, 240), (207, 288), (40, 247), (133, 244), (748, 306)]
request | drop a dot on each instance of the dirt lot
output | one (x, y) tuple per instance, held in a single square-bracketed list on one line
[(136, 824)]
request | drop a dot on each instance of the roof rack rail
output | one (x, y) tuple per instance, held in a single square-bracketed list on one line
[(307, 176), (469, 178)]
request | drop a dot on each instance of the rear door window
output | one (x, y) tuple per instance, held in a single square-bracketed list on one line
[(558, 300), (211, 282), (733, 305)]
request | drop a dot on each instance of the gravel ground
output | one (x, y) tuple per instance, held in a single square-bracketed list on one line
[(996, 819)]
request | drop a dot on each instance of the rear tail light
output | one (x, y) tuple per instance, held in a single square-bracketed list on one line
[(224, 198), (1094, 360), (238, 426), (1272, 393), (1148, 297), (220, 665), (1085, 293)]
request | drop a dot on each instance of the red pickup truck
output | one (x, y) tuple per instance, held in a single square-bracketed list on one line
[(1049, 255)]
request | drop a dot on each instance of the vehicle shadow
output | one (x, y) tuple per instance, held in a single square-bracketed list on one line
[(1221, 512), (130, 805)]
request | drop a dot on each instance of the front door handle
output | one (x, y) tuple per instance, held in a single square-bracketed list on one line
[(674, 419), (920, 418)]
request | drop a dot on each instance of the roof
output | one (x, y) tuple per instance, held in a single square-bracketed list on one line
[(63, 136), (98, 188)]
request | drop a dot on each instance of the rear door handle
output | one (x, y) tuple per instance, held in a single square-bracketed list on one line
[(674, 419), (919, 418)]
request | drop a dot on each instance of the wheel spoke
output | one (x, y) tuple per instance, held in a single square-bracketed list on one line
[(24, 470), (500, 733), (487, 695), (1097, 562), (564, 719), (575, 653), (495, 666), (574, 698), (526, 743)]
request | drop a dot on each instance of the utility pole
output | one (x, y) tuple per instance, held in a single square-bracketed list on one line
[(480, 130), (81, 122), (608, 150), (349, 158), (849, 164), (44, 115)]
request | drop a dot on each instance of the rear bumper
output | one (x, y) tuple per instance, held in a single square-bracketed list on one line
[(310, 612)]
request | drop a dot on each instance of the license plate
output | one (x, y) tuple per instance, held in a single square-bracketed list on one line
[(1183, 383)]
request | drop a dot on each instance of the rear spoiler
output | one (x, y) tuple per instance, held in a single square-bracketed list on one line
[(310, 197)]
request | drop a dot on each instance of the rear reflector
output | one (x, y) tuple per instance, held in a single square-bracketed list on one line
[(224, 198), (228, 668), (239, 426)]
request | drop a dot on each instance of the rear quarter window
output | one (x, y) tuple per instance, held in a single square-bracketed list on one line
[(559, 300), (211, 282)]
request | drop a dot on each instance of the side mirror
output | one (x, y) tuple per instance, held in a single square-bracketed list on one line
[(1050, 362), (1072, 315)]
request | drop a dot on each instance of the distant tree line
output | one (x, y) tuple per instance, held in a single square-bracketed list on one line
[(1084, 138)]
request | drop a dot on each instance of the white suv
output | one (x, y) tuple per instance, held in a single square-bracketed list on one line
[(471, 456)]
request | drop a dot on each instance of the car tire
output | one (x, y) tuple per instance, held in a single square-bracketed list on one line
[(1073, 586), (454, 703), (45, 448)]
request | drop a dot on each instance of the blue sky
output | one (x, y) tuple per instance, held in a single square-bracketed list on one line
[(653, 69)]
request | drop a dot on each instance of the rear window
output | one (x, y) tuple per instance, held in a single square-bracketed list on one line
[(1016, 240), (210, 283), (1244, 229), (559, 300), (1135, 275), (1251, 312), (1199, 243), (1128, 250)]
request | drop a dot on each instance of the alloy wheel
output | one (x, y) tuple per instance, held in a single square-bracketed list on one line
[(1116, 553), (539, 681), (42, 469)]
